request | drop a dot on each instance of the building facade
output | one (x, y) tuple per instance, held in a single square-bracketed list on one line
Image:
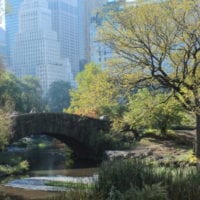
[(36, 50), (100, 53), (87, 9), (65, 24), (11, 27)]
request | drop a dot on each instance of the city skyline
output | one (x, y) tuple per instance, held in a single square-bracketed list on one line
[(36, 50), (71, 22)]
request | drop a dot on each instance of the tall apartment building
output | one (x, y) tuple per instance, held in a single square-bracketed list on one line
[(100, 52), (65, 24), (87, 9), (36, 49), (11, 27), (2, 32)]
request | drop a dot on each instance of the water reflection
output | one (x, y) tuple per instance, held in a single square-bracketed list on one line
[(47, 158), (42, 153)]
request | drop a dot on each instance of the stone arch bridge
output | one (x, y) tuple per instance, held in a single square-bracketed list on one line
[(78, 132)]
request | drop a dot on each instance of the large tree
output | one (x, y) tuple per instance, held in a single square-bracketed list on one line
[(148, 109), (95, 94), (160, 42), (10, 92), (5, 107)]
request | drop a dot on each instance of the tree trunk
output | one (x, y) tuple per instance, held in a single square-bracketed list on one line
[(163, 129), (197, 142)]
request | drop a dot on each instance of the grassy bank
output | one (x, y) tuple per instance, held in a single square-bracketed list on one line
[(138, 180), (70, 185)]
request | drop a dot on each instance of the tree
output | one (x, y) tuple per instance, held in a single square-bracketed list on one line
[(10, 91), (5, 128), (5, 107), (160, 42), (58, 96), (96, 95), (31, 95), (148, 109), (20, 95)]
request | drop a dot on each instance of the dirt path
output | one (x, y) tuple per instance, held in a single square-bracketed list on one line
[(158, 148), (20, 194)]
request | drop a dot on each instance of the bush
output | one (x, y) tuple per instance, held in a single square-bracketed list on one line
[(102, 142), (20, 168)]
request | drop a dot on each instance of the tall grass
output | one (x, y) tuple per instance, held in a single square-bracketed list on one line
[(138, 180), (133, 176)]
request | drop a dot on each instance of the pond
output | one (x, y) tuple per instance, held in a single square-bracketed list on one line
[(49, 161)]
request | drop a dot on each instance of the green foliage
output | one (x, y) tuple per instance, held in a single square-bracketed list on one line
[(5, 128), (70, 185), (134, 178), (20, 95), (148, 192), (95, 95), (153, 192), (31, 94), (19, 168), (150, 109), (115, 194), (103, 141), (147, 38), (74, 195), (10, 92), (158, 43), (137, 180), (58, 96)]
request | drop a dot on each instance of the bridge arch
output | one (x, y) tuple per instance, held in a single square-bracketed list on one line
[(76, 131)]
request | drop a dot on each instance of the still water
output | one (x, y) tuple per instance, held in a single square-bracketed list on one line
[(49, 160)]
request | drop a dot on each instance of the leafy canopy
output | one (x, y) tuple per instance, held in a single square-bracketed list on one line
[(149, 109), (95, 95), (159, 42)]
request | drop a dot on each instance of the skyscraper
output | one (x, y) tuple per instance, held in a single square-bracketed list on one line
[(2, 32), (11, 26), (100, 52), (87, 9), (37, 50), (65, 23)]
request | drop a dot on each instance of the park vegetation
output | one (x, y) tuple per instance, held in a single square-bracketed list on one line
[(153, 79), (153, 82), (96, 95), (138, 180), (58, 98), (158, 44), (20, 95)]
